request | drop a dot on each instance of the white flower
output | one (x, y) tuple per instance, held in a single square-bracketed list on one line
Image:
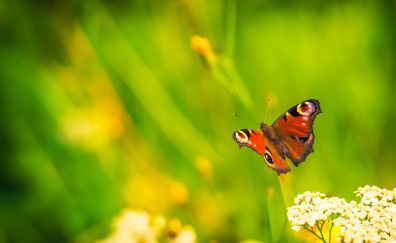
[(133, 226), (186, 235), (373, 219), (296, 227), (134, 221)]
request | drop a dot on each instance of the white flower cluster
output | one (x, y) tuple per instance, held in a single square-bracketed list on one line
[(373, 219), (312, 208), (133, 226)]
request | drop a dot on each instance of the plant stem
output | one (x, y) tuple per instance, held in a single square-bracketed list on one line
[(313, 232), (230, 31), (331, 227), (283, 188), (321, 228)]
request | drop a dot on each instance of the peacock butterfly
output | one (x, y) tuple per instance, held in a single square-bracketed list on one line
[(291, 135)]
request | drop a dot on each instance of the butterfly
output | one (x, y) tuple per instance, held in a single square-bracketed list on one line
[(291, 135)]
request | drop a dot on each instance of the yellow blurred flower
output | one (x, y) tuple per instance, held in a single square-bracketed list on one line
[(180, 234), (270, 192), (99, 118), (174, 227), (201, 45), (214, 210), (91, 127), (204, 167), (178, 193), (149, 187)]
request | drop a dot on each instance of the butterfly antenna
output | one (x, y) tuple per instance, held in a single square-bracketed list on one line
[(244, 118), (266, 111)]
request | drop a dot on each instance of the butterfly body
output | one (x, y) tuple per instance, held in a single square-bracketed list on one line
[(291, 135)]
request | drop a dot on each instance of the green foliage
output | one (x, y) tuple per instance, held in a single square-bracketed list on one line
[(105, 105)]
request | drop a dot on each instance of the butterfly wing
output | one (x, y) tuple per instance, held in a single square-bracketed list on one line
[(256, 140), (294, 128), (275, 159)]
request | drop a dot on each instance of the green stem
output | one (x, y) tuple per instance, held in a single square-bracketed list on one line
[(236, 82), (321, 228), (225, 72), (230, 31), (283, 190), (331, 227), (313, 232)]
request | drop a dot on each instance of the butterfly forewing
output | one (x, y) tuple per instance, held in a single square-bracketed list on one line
[(253, 139), (257, 141), (295, 130)]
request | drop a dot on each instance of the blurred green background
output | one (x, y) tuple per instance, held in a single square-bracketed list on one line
[(105, 105)]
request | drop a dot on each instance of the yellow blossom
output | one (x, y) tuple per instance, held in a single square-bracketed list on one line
[(202, 46), (204, 167), (178, 193), (174, 226)]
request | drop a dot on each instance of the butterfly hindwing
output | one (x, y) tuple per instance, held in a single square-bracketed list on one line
[(295, 130), (257, 141), (275, 159)]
